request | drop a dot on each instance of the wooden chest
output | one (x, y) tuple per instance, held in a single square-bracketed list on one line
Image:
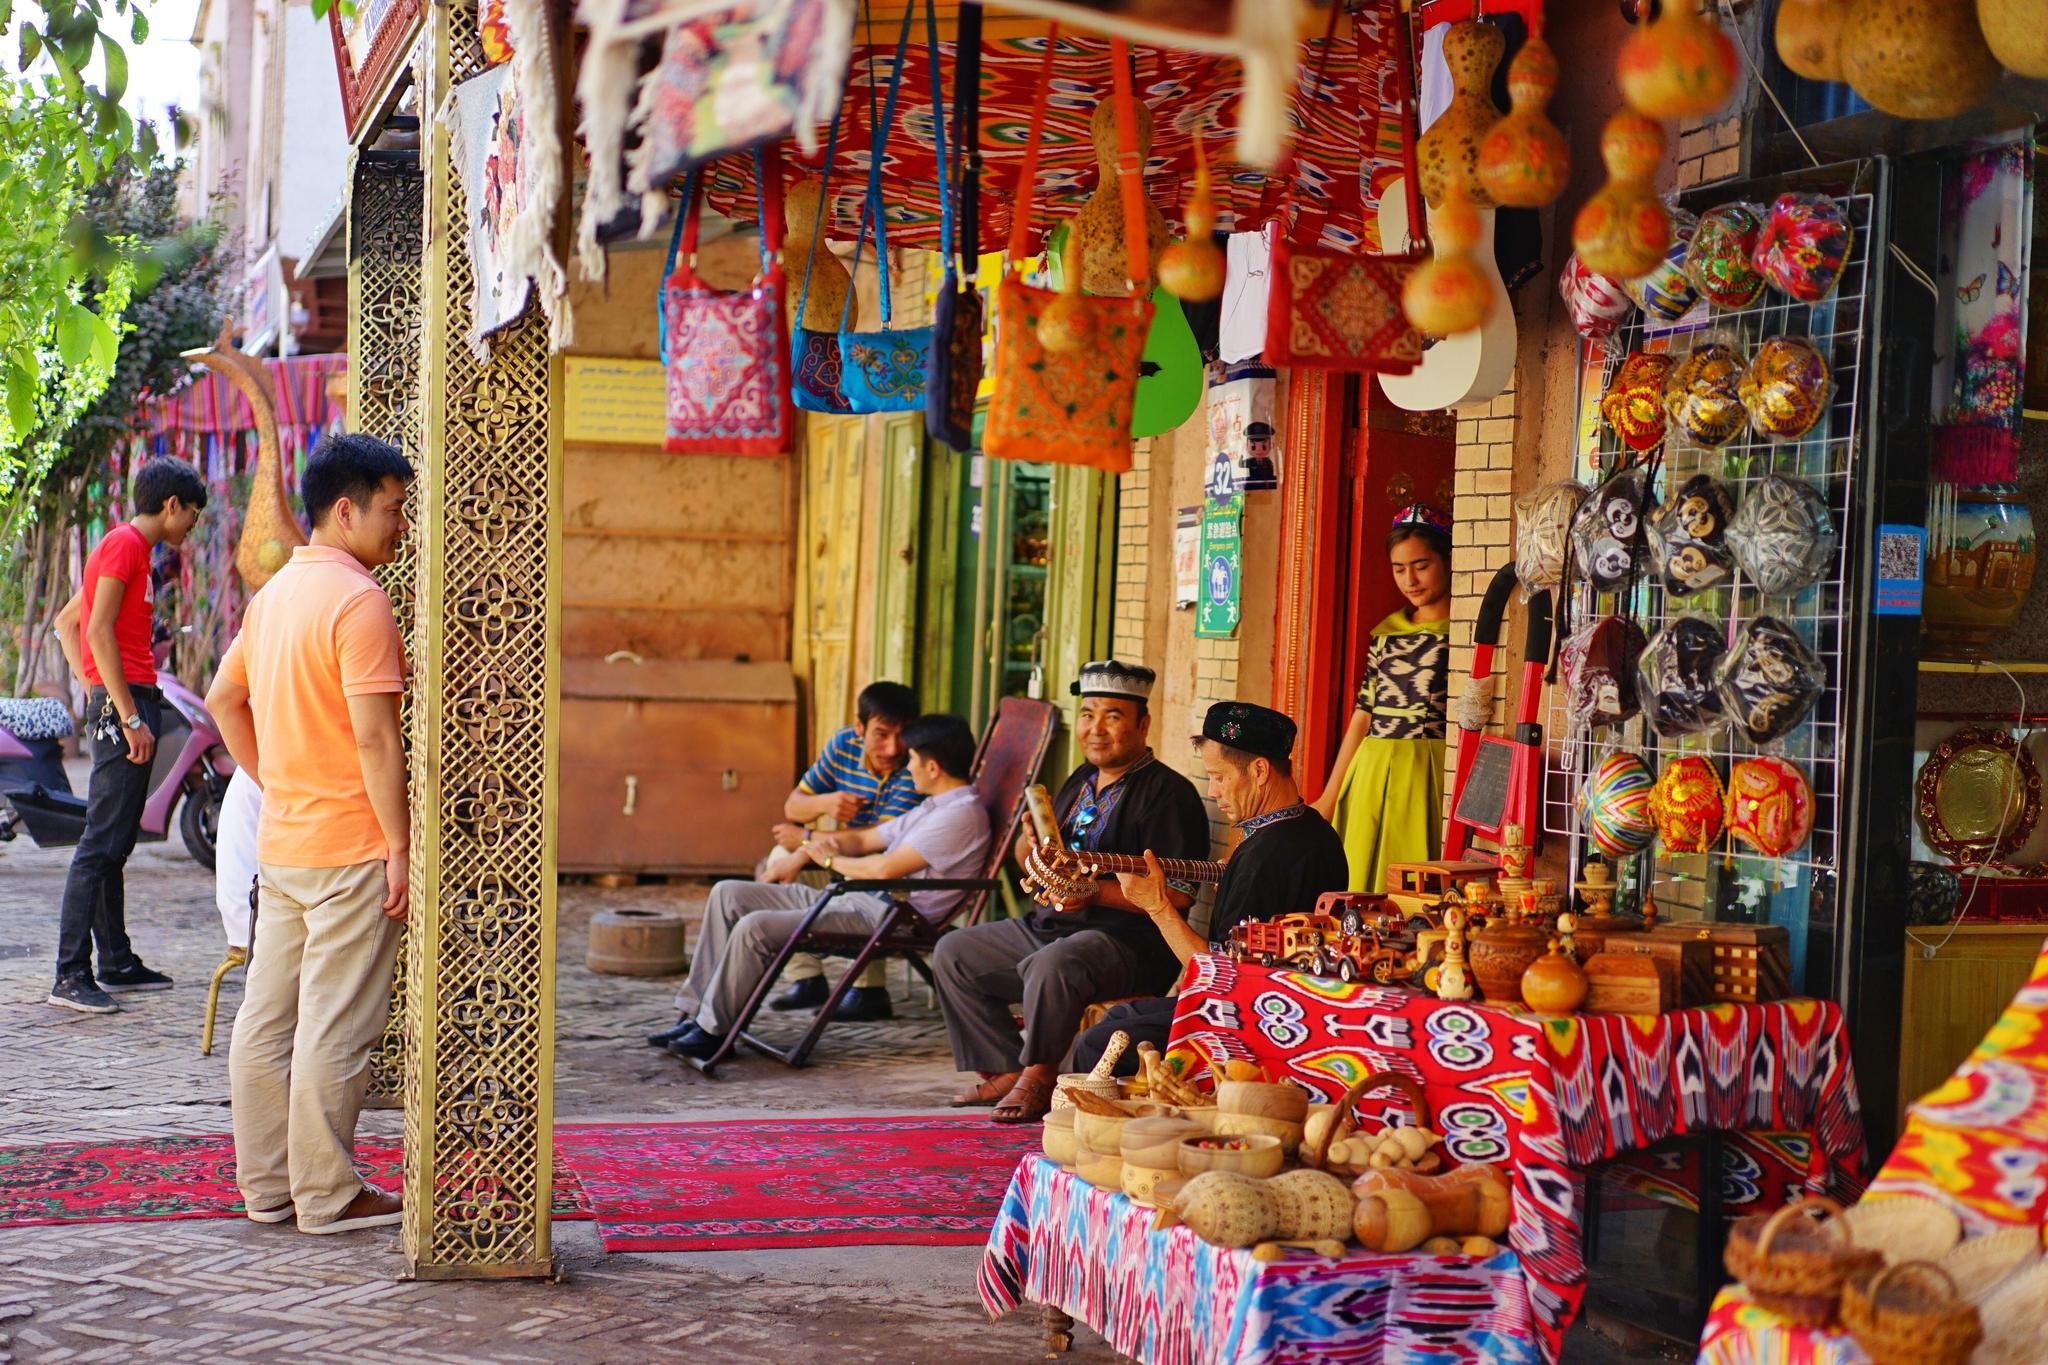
[(673, 767), (1685, 958), (1752, 962), (1628, 983)]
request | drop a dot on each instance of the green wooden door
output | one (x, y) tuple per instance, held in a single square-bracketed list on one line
[(896, 569), (945, 477), (1080, 584)]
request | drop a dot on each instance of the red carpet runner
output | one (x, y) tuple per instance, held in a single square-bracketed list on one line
[(651, 1187)]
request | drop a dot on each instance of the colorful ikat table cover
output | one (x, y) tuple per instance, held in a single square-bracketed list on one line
[(1166, 1297), (1549, 1097), (1978, 1142)]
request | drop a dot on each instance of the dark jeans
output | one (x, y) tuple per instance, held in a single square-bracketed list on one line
[(95, 901)]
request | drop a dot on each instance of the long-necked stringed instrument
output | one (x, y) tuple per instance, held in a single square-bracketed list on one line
[(1053, 873)]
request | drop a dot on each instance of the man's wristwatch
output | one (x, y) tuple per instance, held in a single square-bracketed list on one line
[(133, 722)]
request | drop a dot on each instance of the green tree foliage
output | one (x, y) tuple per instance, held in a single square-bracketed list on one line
[(63, 286)]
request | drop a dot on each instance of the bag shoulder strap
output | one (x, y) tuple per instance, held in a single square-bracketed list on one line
[(871, 205), (1130, 166), (823, 215), (967, 135), (682, 253), (931, 36)]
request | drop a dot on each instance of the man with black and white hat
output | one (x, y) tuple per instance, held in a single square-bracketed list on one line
[(1059, 959), (1287, 858)]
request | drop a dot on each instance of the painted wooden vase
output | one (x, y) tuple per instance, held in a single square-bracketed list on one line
[(1499, 954), (1980, 567)]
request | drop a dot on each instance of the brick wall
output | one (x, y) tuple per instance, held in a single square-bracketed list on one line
[(1136, 570), (1709, 152), (1483, 508)]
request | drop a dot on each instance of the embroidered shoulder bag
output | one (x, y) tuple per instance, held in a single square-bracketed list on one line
[(725, 354), (954, 367), (882, 371), (1331, 310), (1072, 407), (814, 356)]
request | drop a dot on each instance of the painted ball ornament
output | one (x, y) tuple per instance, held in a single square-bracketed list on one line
[(1616, 805), (1687, 805), (1770, 805), (1785, 389), (1721, 263)]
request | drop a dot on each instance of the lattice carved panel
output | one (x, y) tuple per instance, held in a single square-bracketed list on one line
[(387, 206), (479, 1077)]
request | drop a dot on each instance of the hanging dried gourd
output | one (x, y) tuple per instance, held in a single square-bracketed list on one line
[(803, 247), (2017, 33), (1524, 160), (1679, 65), (1449, 151), (1099, 226), (1066, 325), (1809, 34), (1624, 229), (1192, 269), (1923, 59), (1449, 293)]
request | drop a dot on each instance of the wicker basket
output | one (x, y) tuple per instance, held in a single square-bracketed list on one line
[(1796, 1268), (1983, 1263), (1909, 1314), (1347, 1119), (1904, 1227)]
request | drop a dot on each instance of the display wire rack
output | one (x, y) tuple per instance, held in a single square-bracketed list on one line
[(1825, 459)]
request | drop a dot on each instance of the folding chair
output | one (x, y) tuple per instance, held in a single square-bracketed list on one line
[(1012, 749)]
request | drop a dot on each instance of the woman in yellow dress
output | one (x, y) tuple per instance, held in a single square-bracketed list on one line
[(1385, 795)]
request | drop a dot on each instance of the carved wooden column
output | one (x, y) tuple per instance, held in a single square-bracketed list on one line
[(479, 1078), (385, 211)]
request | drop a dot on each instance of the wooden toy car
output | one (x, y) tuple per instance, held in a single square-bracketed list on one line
[(1418, 891), (1341, 946)]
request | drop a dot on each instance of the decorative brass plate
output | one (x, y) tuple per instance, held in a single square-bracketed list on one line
[(1979, 795)]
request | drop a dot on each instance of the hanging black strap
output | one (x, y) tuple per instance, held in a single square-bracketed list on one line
[(967, 139)]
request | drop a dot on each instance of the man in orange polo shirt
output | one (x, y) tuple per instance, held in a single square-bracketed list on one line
[(307, 700)]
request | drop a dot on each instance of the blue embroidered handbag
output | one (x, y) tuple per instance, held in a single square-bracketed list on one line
[(814, 356), (882, 371), (955, 364)]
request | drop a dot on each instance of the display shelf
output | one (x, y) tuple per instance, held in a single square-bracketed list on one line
[(1825, 459), (1984, 665)]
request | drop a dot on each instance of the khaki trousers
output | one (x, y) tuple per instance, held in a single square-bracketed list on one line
[(803, 966), (318, 993)]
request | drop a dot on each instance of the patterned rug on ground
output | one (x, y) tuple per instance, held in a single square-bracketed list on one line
[(650, 1186), (735, 1186), (172, 1177)]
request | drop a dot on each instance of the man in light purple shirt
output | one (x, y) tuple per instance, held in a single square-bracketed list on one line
[(945, 838)]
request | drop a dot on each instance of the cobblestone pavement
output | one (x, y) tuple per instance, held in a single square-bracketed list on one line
[(227, 1290)]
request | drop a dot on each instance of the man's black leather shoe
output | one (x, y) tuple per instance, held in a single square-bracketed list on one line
[(865, 1004), (806, 994)]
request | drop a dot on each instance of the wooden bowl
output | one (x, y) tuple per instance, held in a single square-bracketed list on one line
[(1141, 1183), (1204, 1116), (1258, 1155), (1059, 1139), (1102, 1133), (1081, 1080), (1103, 1172), (1154, 1143), (1253, 1125), (1263, 1099)]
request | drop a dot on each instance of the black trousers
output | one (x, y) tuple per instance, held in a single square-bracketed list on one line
[(95, 899), (1147, 1021)]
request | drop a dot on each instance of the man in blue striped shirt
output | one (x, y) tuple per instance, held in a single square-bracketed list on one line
[(858, 781)]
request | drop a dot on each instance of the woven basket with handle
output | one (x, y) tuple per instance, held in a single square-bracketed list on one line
[(1910, 1314), (1793, 1261), (1347, 1117)]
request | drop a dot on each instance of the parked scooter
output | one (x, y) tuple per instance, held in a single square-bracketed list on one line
[(189, 774)]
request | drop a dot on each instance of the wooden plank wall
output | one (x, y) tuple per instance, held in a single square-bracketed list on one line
[(672, 556)]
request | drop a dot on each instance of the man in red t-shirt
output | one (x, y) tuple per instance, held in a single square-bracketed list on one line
[(105, 632)]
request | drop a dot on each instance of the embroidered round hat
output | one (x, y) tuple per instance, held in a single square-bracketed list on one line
[(1253, 729), (1114, 678)]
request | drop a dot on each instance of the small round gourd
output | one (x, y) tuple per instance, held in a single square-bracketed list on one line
[(1524, 160), (1449, 293), (1679, 65), (1624, 229), (1312, 1205), (1228, 1210)]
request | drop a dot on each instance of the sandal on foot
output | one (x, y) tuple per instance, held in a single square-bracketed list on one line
[(990, 1091), (1028, 1101)]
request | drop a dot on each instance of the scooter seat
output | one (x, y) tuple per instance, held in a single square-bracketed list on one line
[(53, 819), (32, 718)]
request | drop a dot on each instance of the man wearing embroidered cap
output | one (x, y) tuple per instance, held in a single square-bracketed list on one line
[(1287, 857), (1059, 959)]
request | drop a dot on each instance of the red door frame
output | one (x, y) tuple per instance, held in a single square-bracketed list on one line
[(1354, 476)]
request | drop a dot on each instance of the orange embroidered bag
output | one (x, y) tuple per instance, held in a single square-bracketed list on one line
[(1072, 407), (1331, 310)]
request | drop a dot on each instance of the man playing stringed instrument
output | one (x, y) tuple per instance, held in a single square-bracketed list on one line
[(1288, 857), (1086, 941)]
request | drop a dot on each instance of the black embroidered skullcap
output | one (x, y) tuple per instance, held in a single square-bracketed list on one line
[(1257, 730)]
